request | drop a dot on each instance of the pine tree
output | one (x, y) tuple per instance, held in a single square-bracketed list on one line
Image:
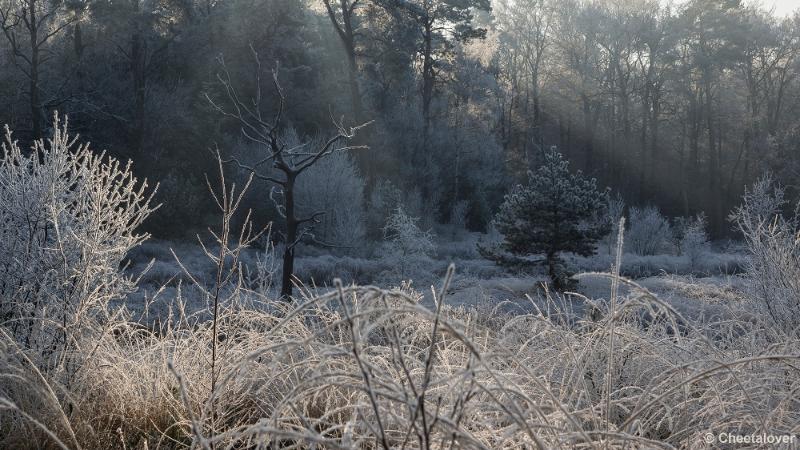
[(557, 211)]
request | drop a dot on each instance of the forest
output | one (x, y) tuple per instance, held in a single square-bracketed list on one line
[(677, 106), (399, 224)]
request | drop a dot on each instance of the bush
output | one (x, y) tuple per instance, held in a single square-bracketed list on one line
[(693, 242), (68, 219), (383, 200), (773, 241), (405, 238), (649, 232)]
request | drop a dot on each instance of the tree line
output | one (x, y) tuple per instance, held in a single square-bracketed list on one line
[(674, 104)]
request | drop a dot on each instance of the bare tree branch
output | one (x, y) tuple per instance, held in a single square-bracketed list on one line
[(292, 161)]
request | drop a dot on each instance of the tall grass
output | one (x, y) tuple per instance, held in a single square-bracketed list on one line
[(370, 367)]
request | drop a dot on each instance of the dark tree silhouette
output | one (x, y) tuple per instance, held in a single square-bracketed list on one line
[(29, 27)]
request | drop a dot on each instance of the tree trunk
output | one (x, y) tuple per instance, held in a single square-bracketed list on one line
[(644, 162), (654, 116), (588, 129), (347, 37), (36, 113), (291, 236), (552, 271), (427, 75), (683, 171), (537, 112), (352, 79), (137, 64), (713, 163), (694, 142)]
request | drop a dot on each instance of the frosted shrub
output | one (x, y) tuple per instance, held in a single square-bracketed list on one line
[(383, 200), (266, 266), (332, 185), (649, 231), (693, 241), (762, 202), (68, 218), (405, 238), (773, 242)]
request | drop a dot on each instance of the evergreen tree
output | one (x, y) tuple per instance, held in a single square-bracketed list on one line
[(557, 211)]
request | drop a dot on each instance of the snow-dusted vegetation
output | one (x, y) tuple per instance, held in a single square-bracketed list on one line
[(399, 224), (206, 354)]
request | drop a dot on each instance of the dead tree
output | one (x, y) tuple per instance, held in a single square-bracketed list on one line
[(289, 162)]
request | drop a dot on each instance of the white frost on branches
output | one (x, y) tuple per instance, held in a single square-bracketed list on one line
[(68, 218), (405, 238), (773, 241)]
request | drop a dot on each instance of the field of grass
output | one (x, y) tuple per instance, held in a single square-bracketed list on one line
[(360, 366), (110, 341)]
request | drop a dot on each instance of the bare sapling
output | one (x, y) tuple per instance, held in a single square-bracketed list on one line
[(229, 271)]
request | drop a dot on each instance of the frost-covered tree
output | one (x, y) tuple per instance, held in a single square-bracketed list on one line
[(278, 153), (693, 243), (405, 238), (557, 211), (773, 241), (68, 217)]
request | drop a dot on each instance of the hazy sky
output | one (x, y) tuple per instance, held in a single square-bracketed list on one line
[(782, 7)]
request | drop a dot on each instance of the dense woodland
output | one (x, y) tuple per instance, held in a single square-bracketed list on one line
[(674, 105)]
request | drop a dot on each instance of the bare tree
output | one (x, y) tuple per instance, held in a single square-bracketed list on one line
[(579, 29), (289, 161), (526, 26)]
